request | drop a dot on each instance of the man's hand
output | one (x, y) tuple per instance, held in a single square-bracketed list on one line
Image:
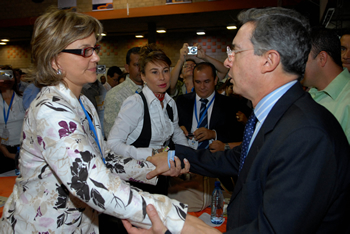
[(192, 225), (200, 51), (157, 225), (183, 52), (217, 146), (195, 225), (162, 168), (183, 128), (202, 134), (241, 117)]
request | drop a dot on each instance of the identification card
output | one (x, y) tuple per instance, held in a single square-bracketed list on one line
[(192, 143), (5, 135)]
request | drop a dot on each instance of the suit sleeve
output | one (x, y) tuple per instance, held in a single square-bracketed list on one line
[(203, 162)]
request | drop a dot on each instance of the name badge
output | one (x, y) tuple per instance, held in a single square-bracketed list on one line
[(5, 135), (193, 143)]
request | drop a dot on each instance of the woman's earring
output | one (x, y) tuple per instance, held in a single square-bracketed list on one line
[(59, 72)]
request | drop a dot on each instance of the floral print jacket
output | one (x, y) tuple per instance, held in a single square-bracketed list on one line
[(64, 183)]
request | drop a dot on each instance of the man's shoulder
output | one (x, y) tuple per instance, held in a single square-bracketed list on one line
[(186, 97), (122, 90)]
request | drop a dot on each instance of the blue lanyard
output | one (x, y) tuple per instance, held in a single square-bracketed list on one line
[(206, 109), (92, 127), (6, 117)]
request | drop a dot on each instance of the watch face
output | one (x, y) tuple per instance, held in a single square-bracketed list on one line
[(227, 146)]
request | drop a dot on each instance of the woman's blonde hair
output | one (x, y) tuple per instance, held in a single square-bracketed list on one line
[(53, 32)]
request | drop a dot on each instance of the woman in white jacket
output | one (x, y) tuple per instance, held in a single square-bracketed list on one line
[(67, 175), (148, 122)]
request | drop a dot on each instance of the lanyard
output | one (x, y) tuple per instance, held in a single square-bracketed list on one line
[(92, 127), (6, 117), (205, 111)]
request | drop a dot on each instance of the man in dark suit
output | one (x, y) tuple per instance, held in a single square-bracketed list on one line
[(293, 174), (220, 110), (209, 116)]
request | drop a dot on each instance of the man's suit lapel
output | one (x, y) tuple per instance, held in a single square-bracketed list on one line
[(282, 105), (189, 110)]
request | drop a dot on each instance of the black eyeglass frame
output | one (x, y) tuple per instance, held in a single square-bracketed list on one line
[(82, 52)]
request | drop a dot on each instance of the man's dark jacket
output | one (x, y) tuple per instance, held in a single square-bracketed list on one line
[(296, 177)]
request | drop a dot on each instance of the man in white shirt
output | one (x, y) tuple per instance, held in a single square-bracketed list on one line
[(112, 77), (116, 96)]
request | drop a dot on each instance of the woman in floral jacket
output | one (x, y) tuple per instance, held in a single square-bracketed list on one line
[(67, 175)]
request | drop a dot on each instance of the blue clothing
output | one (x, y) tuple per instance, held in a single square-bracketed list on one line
[(29, 95)]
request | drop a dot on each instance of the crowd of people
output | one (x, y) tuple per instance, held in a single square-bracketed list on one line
[(89, 150)]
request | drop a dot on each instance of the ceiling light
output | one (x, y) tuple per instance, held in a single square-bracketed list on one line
[(103, 34), (201, 33), (2, 43), (161, 31), (231, 27), (5, 40), (139, 36)]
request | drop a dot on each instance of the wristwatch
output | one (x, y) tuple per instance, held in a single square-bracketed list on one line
[(227, 147)]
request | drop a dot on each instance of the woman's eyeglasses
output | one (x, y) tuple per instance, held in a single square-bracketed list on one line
[(86, 52)]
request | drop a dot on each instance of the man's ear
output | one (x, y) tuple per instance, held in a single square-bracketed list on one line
[(322, 58), (216, 80), (271, 59), (126, 66)]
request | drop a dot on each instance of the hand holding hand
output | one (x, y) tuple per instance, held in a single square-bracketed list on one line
[(202, 134), (157, 225), (162, 168)]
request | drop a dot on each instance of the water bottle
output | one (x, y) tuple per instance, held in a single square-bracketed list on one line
[(217, 205)]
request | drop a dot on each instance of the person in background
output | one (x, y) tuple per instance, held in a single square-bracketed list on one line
[(115, 97), (328, 81), (20, 77), (103, 79), (184, 69), (148, 121), (11, 119), (29, 95), (345, 49), (112, 77), (96, 93), (122, 78), (68, 175)]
